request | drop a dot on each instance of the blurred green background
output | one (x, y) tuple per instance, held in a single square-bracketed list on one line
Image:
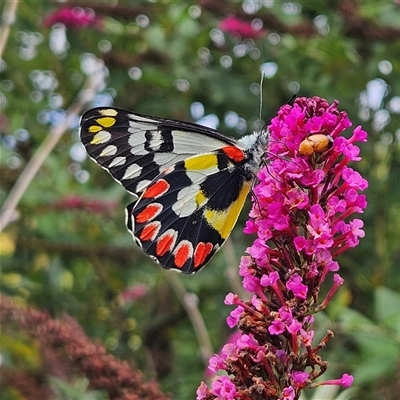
[(66, 249)]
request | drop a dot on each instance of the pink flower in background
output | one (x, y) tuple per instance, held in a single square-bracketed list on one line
[(133, 293), (75, 17), (301, 214), (93, 205), (240, 27)]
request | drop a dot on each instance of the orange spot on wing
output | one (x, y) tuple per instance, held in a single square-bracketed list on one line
[(149, 232), (156, 189), (182, 253), (201, 253), (151, 211), (165, 242), (233, 153)]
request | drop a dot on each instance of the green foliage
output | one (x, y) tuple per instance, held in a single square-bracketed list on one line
[(76, 391), (67, 250)]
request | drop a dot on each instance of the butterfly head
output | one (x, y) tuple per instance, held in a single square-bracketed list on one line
[(256, 147)]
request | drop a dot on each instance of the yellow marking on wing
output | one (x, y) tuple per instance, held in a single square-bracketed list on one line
[(200, 198), (109, 112), (106, 122), (224, 221), (202, 162), (94, 128)]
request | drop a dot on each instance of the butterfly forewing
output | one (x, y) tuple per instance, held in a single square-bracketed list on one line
[(135, 148), (190, 181)]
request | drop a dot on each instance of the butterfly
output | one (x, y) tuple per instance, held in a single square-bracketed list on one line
[(189, 182)]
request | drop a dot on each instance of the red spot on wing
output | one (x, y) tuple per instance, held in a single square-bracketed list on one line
[(157, 189), (148, 213), (234, 153), (166, 242), (201, 253), (182, 253), (149, 232)]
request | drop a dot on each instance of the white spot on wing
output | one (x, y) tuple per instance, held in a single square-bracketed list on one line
[(164, 160), (142, 185), (135, 117), (101, 137), (199, 175), (133, 171), (117, 161), (157, 141), (137, 139), (109, 112), (186, 142), (186, 201), (109, 151)]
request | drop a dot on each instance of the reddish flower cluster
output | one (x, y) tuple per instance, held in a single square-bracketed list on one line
[(300, 214), (75, 17), (83, 355), (80, 203), (240, 27), (133, 293)]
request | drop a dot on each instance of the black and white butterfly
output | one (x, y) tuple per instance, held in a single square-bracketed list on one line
[(190, 182)]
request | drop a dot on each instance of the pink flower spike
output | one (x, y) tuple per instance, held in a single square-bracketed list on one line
[(269, 279), (202, 391), (240, 27), (299, 377), (223, 388), (73, 17), (359, 135), (233, 318), (303, 203), (215, 363), (133, 293), (288, 393), (346, 381), (356, 226), (294, 326), (306, 337), (231, 299), (354, 179), (337, 282), (247, 342), (257, 303), (295, 285), (276, 327)]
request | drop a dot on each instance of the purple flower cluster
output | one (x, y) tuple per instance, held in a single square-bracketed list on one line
[(301, 208), (240, 27), (74, 17)]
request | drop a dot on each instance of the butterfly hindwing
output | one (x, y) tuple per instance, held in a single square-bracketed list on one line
[(187, 213), (189, 181)]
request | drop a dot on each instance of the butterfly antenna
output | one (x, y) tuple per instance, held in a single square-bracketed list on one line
[(261, 91)]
